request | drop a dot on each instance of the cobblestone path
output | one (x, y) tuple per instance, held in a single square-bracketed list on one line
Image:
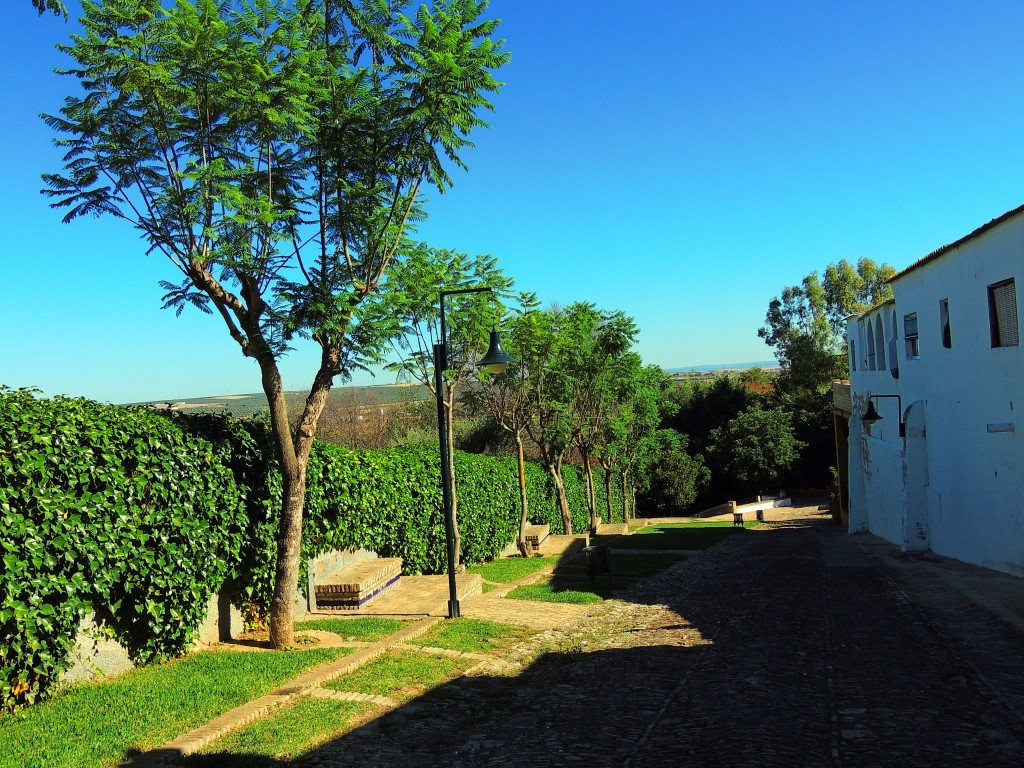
[(786, 646)]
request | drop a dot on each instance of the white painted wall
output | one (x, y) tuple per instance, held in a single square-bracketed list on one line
[(972, 497)]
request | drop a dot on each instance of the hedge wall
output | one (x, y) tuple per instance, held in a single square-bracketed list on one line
[(116, 509), (142, 517)]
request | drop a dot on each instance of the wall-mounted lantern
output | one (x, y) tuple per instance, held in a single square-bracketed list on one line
[(872, 415)]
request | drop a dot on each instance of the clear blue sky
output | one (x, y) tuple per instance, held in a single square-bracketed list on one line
[(679, 160)]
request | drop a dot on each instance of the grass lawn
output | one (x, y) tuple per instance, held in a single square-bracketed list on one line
[(101, 723), (674, 536), (473, 636), (362, 628), (546, 592), (505, 570), (569, 582), (288, 733), (401, 675)]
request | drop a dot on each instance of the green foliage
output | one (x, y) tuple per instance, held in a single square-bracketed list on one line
[(806, 325), (143, 516), (115, 508), (275, 153), (756, 448), (675, 478), (56, 7)]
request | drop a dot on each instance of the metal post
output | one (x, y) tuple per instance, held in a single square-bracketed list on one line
[(440, 365)]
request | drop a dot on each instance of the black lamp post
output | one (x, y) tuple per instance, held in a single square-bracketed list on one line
[(495, 361), (872, 415)]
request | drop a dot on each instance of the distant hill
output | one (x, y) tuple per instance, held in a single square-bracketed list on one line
[(241, 406), (724, 366)]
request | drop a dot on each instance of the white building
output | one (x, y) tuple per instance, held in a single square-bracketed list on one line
[(941, 362)]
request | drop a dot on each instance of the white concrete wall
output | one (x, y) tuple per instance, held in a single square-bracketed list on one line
[(973, 494)]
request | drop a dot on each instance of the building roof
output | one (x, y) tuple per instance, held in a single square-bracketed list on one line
[(966, 238)]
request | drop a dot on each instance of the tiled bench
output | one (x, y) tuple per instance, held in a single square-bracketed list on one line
[(357, 584)]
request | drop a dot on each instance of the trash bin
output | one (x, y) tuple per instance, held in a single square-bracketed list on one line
[(599, 560)]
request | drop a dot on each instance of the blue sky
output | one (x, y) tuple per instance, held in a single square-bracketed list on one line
[(681, 161)]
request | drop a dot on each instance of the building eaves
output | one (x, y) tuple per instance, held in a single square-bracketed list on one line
[(951, 246)]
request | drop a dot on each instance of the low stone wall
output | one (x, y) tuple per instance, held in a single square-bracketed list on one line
[(766, 504), (727, 508), (98, 654)]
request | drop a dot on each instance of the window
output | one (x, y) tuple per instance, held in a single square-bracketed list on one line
[(947, 339), (1002, 313), (853, 355), (871, 347), (910, 335), (880, 341), (892, 344)]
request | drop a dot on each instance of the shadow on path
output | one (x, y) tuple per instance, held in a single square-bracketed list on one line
[(785, 646)]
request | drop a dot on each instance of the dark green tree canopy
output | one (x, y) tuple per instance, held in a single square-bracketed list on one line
[(56, 7)]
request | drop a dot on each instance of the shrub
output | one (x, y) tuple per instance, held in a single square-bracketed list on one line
[(114, 508)]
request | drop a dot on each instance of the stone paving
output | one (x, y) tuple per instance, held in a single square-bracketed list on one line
[(791, 645), (794, 644)]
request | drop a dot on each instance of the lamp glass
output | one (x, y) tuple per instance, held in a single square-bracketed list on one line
[(496, 359)]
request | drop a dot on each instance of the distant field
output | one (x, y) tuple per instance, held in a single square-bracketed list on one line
[(241, 406)]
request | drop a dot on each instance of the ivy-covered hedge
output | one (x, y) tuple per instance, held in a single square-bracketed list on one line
[(142, 517), (110, 508)]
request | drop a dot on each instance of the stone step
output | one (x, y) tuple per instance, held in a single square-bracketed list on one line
[(612, 529), (536, 535), (356, 585)]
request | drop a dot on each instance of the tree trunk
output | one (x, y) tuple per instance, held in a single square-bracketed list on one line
[(591, 500), (289, 547), (563, 503), (524, 548), (293, 457), (625, 496), (608, 491)]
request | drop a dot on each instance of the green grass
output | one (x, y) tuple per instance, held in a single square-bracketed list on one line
[(473, 636), (548, 592), (363, 628), (674, 536), (569, 582), (100, 724), (505, 570), (288, 733), (401, 674)]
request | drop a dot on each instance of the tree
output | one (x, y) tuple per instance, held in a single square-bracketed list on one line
[(756, 448), (537, 339), (807, 327), (507, 398), (591, 363), (676, 477), (412, 298), (806, 324), (274, 152), (56, 7), (628, 444)]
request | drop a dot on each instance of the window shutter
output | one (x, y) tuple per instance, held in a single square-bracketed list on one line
[(1003, 297)]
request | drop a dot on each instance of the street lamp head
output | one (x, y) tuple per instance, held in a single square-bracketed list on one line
[(871, 415), (496, 359)]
